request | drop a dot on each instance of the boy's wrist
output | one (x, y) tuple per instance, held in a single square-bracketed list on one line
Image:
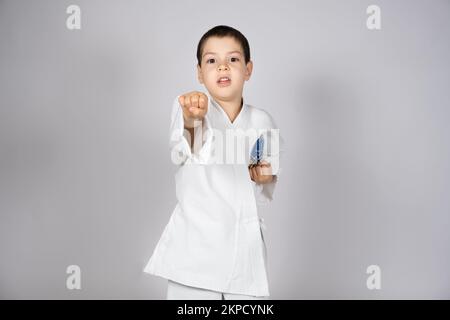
[(190, 123)]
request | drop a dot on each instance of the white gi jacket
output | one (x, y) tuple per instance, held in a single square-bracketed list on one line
[(213, 238)]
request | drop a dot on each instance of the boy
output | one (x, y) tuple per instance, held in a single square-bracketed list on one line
[(213, 247)]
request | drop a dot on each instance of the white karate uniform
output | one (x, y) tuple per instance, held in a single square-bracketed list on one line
[(178, 291), (213, 239)]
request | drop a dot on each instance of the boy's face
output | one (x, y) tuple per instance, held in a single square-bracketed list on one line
[(224, 57)]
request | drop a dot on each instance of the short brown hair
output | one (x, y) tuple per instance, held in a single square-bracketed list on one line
[(224, 31)]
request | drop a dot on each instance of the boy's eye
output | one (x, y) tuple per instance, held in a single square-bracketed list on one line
[(212, 60)]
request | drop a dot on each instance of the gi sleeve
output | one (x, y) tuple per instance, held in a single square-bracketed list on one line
[(272, 153), (180, 140)]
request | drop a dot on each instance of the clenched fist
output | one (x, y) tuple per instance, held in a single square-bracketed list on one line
[(261, 173), (194, 105)]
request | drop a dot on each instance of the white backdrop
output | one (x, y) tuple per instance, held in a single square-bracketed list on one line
[(85, 171)]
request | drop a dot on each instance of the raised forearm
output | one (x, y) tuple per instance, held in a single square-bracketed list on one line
[(190, 130)]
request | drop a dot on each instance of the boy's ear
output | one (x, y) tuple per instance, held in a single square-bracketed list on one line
[(199, 74), (248, 72)]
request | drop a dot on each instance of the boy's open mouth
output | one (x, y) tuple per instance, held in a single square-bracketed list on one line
[(224, 81)]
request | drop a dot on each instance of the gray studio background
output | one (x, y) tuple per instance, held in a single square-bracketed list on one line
[(85, 170)]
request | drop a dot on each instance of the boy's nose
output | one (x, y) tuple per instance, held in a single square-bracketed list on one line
[(223, 67)]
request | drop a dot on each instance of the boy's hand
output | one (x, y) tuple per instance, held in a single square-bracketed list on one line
[(194, 105), (261, 173)]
